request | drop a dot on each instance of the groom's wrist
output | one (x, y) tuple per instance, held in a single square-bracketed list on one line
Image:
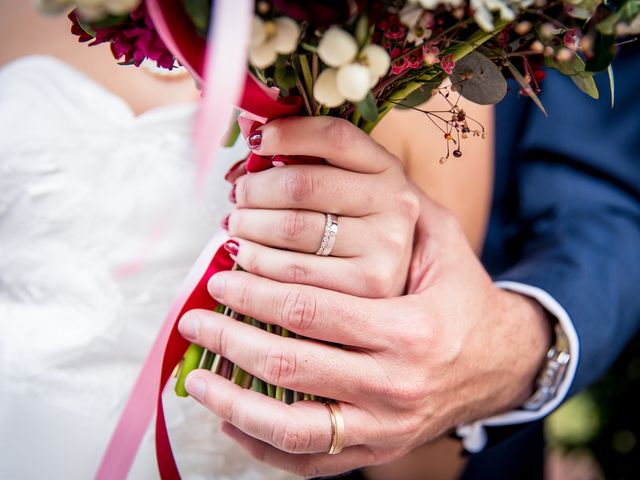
[(534, 327)]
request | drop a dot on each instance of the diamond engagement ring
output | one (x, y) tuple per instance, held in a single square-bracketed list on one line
[(329, 237), (337, 428)]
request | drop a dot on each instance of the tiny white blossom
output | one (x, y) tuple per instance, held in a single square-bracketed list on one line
[(287, 34), (325, 90), (258, 32), (483, 11), (433, 4), (337, 47)]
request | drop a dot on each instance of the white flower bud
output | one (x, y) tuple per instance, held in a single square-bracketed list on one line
[(258, 32), (337, 47), (263, 56), (353, 81), (325, 91), (377, 59), (286, 36)]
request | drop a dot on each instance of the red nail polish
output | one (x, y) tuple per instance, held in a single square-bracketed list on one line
[(225, 222), (255, 139), (232, 194), (236, 171), (232, 247)]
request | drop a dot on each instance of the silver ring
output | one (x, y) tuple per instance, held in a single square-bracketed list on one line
[(329, 237)]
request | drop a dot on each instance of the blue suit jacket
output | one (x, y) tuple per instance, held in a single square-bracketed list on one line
[(566, 218)]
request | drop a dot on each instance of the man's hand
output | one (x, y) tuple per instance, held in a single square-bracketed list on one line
[(455, 350)]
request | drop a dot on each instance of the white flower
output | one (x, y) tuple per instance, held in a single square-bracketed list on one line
[(483, 11), (325, 90), (353, 81), (432, 4), (268, 39), (337, 47)]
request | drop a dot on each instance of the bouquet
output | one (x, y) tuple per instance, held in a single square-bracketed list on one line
[(358, 59)]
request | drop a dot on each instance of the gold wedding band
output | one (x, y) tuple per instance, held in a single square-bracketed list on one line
[(337, 428)]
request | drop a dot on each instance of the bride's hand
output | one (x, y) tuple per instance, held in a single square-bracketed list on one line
[(280, 218)]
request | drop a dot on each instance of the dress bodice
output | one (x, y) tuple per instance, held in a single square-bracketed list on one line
[(99, 223)]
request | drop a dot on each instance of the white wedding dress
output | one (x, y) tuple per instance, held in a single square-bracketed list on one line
[(99, 224)]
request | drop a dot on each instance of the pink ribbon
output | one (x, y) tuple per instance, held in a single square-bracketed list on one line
[(225, 74)]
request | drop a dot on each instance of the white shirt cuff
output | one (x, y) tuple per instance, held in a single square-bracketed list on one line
[(474, 436)]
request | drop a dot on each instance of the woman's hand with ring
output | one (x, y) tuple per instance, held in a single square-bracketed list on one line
[(281, 215)]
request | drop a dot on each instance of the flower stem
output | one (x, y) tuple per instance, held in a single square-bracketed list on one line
[(191, 361)]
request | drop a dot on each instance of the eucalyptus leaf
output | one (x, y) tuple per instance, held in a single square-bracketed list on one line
[(419, 96), (368, 109), (109, 21), (478, 79)]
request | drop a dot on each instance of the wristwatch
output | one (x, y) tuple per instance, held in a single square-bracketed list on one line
[(552, 373)]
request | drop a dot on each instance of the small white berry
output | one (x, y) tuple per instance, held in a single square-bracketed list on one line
[(337, 47), (258, 32), (325, 90), (353, 81), (377, 59), (287, 34), (263, 55)]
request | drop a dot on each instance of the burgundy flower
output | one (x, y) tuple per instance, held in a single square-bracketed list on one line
[(321, 14), (132, 40)]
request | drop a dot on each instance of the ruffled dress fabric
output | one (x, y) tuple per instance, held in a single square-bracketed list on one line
[(100, 222)]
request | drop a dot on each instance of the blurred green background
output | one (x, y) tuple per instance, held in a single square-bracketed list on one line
[(598, 430)]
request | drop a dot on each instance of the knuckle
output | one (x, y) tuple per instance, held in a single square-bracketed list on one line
[(242, 191), (306, 469), (279, 367), (407, 392), (228, 409), (298, 184), (341, 133), (378, 283), (296, 273), (243, 298), (293, 224), (408, 205), (218, 341), (250, 261), (291, 438), (299, 311)]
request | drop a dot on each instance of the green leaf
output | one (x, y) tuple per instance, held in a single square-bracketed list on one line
[(199, 12), (625, 14), (84, 25), (570, 67), (109, 21), (526, 87), (362, 30), (284, 76), (612, 85), (586, 83), (368, 109), (604, 50), (575, 68), (419, 96)]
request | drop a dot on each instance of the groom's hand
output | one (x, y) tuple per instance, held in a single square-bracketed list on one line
[(413, 367)]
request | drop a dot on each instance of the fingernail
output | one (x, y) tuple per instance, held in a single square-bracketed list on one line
[(189, 326), (195, 386), (255, 139), (232, 247), (225, 222), (278, 163), (216, 286), (232, 194), (236, 170)]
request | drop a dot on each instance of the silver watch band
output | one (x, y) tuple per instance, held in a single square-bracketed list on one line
[(552, 373)]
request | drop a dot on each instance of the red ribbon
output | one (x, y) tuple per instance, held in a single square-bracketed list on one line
[(260, 104)]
